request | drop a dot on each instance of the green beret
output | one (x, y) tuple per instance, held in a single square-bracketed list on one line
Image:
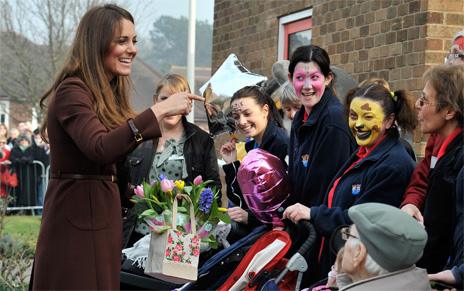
[(392, 238)]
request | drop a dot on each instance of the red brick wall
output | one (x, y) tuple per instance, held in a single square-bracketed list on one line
[(393, 39), (250, 28), (396, 40)]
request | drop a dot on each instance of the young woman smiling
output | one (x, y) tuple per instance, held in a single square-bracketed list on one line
[(372, 173), (183, 152), (257, 117), (320, 140), (90, 126)]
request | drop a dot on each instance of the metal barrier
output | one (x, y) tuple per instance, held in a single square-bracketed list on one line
[(30, 192)]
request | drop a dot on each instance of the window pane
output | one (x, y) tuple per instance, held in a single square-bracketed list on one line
[(298, 39)]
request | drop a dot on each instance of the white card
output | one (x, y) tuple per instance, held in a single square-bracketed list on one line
[(433, 162)]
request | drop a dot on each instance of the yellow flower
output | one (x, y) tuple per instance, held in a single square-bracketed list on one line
[(222, 209), (179, 184)]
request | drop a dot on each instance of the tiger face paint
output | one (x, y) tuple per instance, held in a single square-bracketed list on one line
[(366, 121)]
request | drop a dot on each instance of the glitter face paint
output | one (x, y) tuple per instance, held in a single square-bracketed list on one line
[(250, 117), (309, 84), (366, 121)]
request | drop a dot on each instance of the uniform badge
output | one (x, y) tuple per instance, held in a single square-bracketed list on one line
[(355, 189), (304, 160)]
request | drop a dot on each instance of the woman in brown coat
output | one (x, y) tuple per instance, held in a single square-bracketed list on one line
[(90, 126)]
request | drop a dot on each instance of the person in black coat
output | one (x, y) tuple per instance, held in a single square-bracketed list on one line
[(372, 173), (256, 117), (320, 140), (22, 158), (184, 152), (454, 273), (441, 112)]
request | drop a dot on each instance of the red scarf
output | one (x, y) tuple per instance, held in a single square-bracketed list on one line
[(305, 116), (447, 141), (362, 153)]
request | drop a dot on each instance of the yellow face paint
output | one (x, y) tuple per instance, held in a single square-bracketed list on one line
[(365, 120)]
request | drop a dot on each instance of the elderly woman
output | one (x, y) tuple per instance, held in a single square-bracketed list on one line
[(372, 173), (414, 198), (381, 248), (441, 112)]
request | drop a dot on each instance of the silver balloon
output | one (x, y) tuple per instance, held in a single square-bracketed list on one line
[(229, 78)]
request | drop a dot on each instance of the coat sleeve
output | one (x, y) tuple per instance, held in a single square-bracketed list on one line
[(417, 188), (458, 273), (457, 259), (212, 169), (233, 189), (386, 184), (74, 110), (332, 152)]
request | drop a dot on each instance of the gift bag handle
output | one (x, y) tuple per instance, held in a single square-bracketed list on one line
[(193, 224)]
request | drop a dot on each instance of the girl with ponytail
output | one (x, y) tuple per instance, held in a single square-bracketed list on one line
[(256, 117), (373, 173)]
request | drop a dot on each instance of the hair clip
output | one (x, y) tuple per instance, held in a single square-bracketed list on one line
[(394, 97)]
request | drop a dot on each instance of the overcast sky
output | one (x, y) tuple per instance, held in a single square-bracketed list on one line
[(147, 11)]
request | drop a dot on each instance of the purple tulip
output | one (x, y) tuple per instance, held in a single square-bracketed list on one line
[(198, 180), (139, 191), (167, 185)]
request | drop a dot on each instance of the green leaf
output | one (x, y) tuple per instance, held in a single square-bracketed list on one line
[(223, 217), (211, 241), (147, 213), (188, 189), (162, 228), (214, 209)]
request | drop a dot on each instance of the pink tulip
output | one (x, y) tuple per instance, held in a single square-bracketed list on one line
[(167, 185), (139, 191), (198, 180)]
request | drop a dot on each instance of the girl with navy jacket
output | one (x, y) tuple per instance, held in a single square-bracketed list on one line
[(320, 140), (379, 171), (256, 117)]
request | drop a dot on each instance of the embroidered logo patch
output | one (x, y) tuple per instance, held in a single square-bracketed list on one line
[(304, 160), (355, 189)]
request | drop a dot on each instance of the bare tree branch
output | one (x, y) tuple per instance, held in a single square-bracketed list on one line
[(37, 34)]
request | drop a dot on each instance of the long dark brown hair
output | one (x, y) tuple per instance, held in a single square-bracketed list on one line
[(91, 44), (261, 98)]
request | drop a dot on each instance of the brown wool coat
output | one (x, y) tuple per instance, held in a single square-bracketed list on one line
[(79, 245)]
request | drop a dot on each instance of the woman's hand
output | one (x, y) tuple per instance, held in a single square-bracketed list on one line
[(178, 103), (412, 210), (238, 214), (229, 152), (296, 212)]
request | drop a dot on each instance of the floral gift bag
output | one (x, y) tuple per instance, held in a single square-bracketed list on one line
[(173, 255)]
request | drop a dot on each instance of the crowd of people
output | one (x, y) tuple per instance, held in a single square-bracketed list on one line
[(24, 154), (351, 171)]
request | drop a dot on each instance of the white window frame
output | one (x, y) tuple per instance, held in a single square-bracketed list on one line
[(288, 19)]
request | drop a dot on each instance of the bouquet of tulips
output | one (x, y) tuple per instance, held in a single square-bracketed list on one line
[(155, 201)]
